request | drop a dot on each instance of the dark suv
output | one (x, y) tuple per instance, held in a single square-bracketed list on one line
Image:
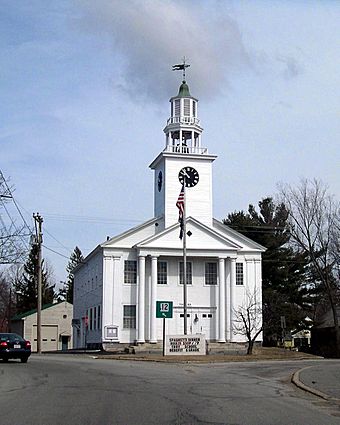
[(13, 346)]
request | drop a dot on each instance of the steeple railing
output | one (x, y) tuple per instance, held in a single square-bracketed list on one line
[(183, 120), (183, 148)]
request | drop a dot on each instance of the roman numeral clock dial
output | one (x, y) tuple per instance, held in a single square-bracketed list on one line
[(188, 176)]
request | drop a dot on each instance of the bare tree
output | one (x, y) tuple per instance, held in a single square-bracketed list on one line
[(248, 319), (4, 302), (314, 226), (12, 235)]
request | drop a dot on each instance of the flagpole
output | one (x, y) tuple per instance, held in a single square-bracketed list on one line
[(185, 261)]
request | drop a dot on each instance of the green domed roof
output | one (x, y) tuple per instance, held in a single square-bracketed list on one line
[(184, 90)]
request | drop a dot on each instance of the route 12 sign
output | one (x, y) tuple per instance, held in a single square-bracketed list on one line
[(164, 309)]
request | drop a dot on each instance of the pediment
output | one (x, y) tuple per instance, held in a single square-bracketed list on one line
[(219, 237), (202, 238), (134, 235)]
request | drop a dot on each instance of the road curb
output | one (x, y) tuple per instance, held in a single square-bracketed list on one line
[(296, 381)]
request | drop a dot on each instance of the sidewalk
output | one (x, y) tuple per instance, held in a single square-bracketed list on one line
[(322, 380)]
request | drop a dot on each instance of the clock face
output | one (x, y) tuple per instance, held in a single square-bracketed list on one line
[(189, 176), (160, 181)]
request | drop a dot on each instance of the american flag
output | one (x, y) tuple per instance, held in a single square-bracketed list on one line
[(180, 206)]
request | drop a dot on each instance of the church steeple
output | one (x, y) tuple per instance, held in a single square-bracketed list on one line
[(183, 150), (183, 131)]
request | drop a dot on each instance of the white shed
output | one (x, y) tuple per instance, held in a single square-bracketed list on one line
[(56, 326)]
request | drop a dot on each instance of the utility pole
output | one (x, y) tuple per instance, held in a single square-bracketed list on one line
[(38, 220)]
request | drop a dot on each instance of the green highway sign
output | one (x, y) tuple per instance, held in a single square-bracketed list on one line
[(164, 309)]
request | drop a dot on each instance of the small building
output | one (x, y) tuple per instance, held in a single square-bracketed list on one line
[(323, 336), (117, 285), (56, 326)]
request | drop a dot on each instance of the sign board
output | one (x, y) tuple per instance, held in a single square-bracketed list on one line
[(189, 345), (111, 332), (164, 309)]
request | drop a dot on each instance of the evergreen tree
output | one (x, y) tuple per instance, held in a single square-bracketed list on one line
[(67, 292), (27, 285), (283, 270)]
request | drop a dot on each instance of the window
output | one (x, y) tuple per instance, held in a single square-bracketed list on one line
[(211, 273), (177, 107), (194, 109), (162, 273), (187, 107), (130, 271), (95, 318), (98, 317), (129, 318), (90, 319), (189, 273), (239, 273)]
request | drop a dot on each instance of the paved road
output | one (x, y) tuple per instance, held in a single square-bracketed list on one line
[(55, 390), (323, 379)]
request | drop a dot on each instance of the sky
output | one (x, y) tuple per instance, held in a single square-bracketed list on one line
[(84, 99)]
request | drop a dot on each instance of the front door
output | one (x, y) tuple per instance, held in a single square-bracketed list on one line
[(195, 322), (202, 322), (64, 343)]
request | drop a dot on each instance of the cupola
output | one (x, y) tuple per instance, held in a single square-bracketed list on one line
[(183, 130)]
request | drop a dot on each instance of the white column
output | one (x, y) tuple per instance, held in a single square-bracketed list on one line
[(153, 320), (117, 294), (107, 293), (221, 304), (258, 280), (232, 295), (248, 277), (228, 267), (141, 300)]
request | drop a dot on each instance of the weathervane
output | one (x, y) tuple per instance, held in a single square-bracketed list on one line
[(181, 67)]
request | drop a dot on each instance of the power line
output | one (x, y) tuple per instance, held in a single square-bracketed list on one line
[(15, 203), (68, 249), (90, 219), (19, 235), (56, 252)]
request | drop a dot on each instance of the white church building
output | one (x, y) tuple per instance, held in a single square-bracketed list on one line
[(119, 282)]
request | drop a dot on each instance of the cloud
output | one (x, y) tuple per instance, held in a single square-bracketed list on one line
[(149, 36)]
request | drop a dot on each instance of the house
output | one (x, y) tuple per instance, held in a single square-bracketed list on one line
[(56, 326), (117, 285), (323, 335)]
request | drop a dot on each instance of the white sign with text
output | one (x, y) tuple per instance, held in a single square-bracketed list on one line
[(185, 345)]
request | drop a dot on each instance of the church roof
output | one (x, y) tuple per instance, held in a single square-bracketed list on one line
[(205, 240), (219, 236), (184, 90)]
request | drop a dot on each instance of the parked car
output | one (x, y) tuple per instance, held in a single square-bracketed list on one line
[(13, 346)]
